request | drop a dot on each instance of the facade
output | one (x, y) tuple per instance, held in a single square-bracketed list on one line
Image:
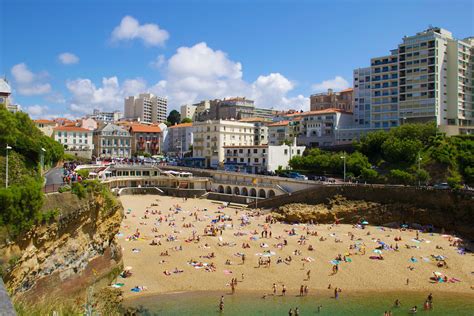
[(5, 92), (110, 117), (384, 91), (146, 108), (180, 139), (146, 139), (188, 111), (45, 126), (210, 137), (362, 98), (429, 77), (235, 108), (260, 158), (320, 128), (76, 140), (112, 141), (260, 129), (332, 100), (264, 113), (283, 131)]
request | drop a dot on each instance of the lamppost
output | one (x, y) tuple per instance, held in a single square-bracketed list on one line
[(6, 175), (42, 158), (419, 167), (343, 157)]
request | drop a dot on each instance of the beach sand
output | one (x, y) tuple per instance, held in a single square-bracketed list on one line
[(362, 274)]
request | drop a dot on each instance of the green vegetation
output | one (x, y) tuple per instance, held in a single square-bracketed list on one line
[(186, 120), (409, 154), (21, 202), (174, 117)]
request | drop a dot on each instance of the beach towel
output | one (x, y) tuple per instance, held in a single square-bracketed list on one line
[(413, 260), (227, 272), (334, 262), (117, 285)]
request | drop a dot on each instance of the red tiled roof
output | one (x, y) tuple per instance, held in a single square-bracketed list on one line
[(140, 128), (71, 129), (254, 119), (325, 111), (281, 123), (181, 125), (41, 121)]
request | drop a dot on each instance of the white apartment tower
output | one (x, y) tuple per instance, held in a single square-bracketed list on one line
[(429, 77), (147, 108)]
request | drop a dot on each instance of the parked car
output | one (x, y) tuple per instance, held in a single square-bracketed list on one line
[(441, 186), (296, 175)]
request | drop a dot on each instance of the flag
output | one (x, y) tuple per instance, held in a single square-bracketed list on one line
[(255, 181)]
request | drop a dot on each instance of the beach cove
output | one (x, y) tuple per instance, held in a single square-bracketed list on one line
[(180, 263)]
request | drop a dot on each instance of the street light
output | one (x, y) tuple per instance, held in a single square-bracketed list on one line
[(6, 175), (42, 158), (419, 167), (344, 158)]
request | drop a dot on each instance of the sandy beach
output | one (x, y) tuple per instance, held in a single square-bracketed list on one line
[(414, 260)]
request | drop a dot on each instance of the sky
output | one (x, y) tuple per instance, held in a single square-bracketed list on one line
[(68, 57)]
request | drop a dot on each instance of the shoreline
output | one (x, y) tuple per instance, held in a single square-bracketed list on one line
[(258, 293)]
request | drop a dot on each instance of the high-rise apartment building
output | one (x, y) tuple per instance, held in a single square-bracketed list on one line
[(147, 108), (188, 111), (429, 77), (362, 97), (332, 100)]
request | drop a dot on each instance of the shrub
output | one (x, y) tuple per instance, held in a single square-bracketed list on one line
[(400, 177)]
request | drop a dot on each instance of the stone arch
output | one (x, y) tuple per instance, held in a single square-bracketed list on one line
[(271, 193), (262, 193), (253, 192), (237, 191), (228, 190), (220, 189), (245, 192)]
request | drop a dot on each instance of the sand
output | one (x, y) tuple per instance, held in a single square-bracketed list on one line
[(362, 274)]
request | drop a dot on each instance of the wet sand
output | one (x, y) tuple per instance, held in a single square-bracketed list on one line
[(362, 273)]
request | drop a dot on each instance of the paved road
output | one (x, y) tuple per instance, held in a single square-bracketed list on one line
[(54, 176)]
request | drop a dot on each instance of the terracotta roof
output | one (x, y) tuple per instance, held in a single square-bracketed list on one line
[(140, 128), (181, 125), (326, 111), (347, 90), (41, 121), (246, 146), (281, 123), (71, 129)]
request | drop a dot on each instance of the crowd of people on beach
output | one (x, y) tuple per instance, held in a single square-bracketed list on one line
[(267, 244)]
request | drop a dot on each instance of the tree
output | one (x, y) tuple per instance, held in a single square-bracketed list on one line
[(368, 174), (186, 120), (174, 117), (400, 177)]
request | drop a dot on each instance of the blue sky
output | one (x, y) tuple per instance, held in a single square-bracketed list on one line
[(277, 52)]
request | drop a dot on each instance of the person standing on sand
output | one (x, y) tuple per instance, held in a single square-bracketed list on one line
[(408, 281), (274, 287), (283, 290), (306, 290), (301, 290), (336, 293), (308, 274)]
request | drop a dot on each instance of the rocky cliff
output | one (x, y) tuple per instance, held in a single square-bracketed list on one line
[(62, 258)]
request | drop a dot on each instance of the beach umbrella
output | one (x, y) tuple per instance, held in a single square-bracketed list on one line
[(365, 223), (378, 251)]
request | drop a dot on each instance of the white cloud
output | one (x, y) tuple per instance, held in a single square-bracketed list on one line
[(29, 83), (68, 59), (338, 83), (55, 97), (130, 28), (36, 110), (192, 74), (158, 62)]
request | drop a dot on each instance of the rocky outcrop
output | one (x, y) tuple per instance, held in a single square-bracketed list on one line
[(64, 257)]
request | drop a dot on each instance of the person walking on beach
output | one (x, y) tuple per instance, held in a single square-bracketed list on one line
[(301, 290), (336, 293), (306, 290), (221, 304), (274, 289), (308, 275), (243, 258), (283, 290)]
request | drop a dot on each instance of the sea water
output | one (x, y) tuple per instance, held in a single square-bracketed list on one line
[(205, 303)]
